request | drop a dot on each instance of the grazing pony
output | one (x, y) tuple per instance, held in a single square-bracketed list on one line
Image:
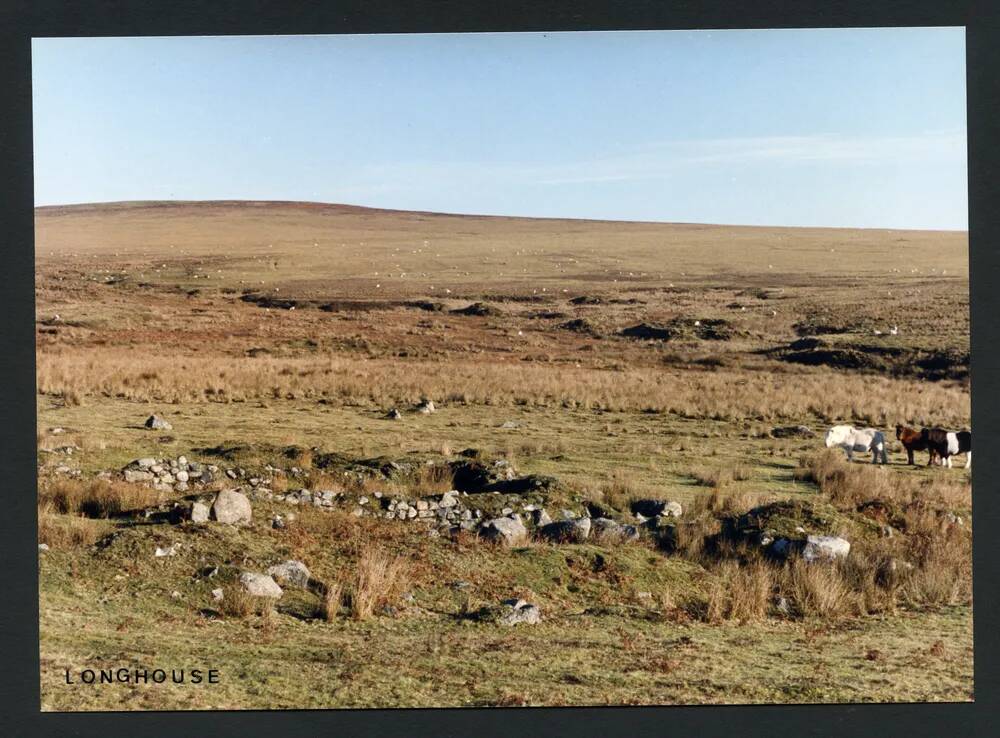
[(853, 439), (912, 440), (945, 444)]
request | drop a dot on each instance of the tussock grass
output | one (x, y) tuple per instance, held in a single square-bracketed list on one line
[(239, 604), (719, 395), (819, 590), (331, 601), (740, 592), (97, 498), (67, 531), (379, 580)]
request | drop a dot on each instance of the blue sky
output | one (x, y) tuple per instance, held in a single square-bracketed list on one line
[(850, 127)]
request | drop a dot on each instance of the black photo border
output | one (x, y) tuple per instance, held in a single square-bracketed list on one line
[(20, 20)]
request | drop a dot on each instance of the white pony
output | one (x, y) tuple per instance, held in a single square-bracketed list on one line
[(853, 439)]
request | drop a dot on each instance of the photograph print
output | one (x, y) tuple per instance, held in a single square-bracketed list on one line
[(503, 369)]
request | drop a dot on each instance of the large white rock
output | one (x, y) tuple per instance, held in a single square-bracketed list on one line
[(291, 573), (508, 531), (825, 548), (260, 585), (231, 506)]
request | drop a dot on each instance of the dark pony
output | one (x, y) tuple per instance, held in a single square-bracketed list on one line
[(912, 440), (945, 444)]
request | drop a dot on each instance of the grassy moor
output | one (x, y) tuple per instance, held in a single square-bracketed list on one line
[(493, 460)]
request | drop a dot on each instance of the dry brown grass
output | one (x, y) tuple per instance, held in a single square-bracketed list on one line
[(724, 395), (239, 604), (818, 590), (712, 477), (926, 562), (941, 572), (65, 531), (97, 498), (268, 620), (329, 606), (850, 485), (741, 593), (379, 580)]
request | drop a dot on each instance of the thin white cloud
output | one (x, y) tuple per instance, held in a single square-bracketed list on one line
[(662, 160)]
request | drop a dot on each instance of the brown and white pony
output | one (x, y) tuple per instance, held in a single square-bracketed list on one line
[(945, 443)]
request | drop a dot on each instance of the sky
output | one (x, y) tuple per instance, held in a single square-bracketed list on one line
[(840, 127)]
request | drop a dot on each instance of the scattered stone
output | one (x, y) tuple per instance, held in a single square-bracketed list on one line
[(217, 594), (155, 422), (175, 595), (540, 517), (232, 506), (146, 462), (200, 512), (508, 531), (277, 522), (169, 551), (426, 407), (606, 529), (135, 475), (43, 547), (394, 414), (519, 612), (509, 425), (567, 531), (181, 476), (260, 585), (291, 573), (825, 548)]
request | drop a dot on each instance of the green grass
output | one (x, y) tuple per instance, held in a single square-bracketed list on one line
[(429, 656)]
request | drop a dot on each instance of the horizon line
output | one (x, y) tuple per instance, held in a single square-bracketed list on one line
[(441, 213)]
